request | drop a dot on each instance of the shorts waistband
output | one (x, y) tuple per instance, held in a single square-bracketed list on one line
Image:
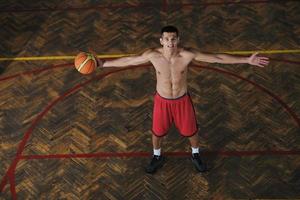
[(177, 98)]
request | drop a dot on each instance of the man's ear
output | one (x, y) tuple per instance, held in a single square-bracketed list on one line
[(160, 40)]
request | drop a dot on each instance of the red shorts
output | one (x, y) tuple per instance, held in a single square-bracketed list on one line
[(179, 110)]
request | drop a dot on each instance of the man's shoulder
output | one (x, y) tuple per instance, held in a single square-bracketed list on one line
[(186, 51), (152, 52)]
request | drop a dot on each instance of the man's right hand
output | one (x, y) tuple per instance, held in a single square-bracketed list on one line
[(99, 62)]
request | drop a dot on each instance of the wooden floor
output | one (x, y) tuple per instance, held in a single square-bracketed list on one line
[(68, 136)]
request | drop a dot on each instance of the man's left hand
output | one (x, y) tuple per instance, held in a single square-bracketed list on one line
[(258, 60)]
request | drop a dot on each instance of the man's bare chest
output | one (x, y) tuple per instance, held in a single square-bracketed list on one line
[(177, 65)]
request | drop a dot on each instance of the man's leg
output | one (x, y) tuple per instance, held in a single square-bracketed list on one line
[(162, 119), (156, 141), (157, 160), (199, 165), (194, 140), (184, 109)]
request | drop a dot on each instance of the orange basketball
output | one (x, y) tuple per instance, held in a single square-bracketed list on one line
[(85, 63)]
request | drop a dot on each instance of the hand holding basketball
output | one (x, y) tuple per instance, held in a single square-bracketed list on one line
[(86, 63), (99, 61)]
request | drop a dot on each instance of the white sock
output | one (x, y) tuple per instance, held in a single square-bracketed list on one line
[(195, 150), (156, 152)]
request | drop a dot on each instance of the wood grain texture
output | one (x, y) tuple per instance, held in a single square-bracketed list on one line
[(114, 114)]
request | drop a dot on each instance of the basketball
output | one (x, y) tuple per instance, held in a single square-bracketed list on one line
[(85, 63)]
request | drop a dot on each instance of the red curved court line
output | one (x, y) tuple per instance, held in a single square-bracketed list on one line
[(277, 98), (12, 187), (286, 61), (22, 144), (141, 5), (3, 182), (35, 71), (75, 88)]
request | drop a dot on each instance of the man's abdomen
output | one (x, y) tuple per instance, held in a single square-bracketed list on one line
[(171, 90)]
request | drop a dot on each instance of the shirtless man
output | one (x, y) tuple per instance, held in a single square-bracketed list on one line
[(172, 103)]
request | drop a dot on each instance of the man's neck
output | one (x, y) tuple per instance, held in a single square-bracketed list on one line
[(169, 53)]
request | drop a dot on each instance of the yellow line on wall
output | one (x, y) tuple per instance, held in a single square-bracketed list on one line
[(288, 51)]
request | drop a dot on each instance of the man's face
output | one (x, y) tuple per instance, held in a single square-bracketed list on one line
[(169, 40)]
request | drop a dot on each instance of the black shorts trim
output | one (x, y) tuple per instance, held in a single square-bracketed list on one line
[(185, 94), (158, 135), (190, 135)]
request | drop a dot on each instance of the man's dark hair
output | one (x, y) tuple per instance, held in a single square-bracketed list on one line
[(169, 29)]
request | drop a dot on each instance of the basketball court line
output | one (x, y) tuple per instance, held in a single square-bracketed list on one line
[(10, 173), (105, 155), (34, 58)]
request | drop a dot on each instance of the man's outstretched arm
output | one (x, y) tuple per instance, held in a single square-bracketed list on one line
[(229, 59), (126, 61)]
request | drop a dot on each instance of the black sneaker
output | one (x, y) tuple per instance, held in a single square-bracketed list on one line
[(156, 163), (199, 165)]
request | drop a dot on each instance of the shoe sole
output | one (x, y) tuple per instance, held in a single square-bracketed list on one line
[(204, 166), (158, 167)]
